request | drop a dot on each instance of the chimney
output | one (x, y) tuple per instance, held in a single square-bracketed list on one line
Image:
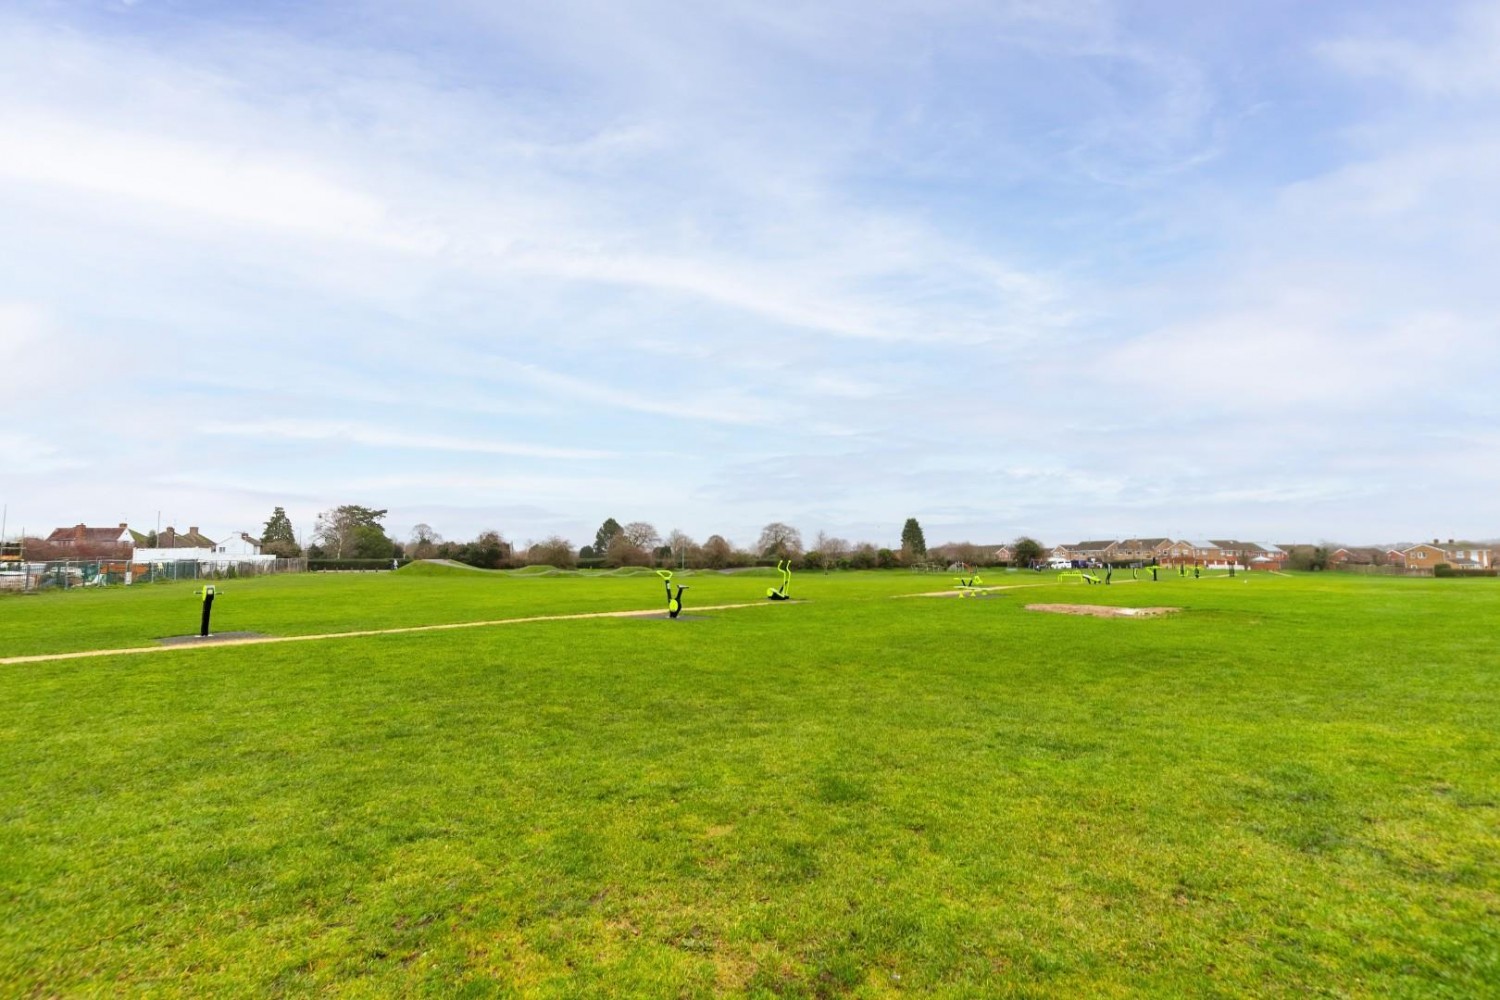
[(123, 525), (1450, 541), (1434, 541), (193, 529)]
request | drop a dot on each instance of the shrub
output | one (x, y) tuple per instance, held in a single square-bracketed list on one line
[(1446, 570)]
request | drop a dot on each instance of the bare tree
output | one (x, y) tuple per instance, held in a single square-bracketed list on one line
[(623, 552), (553, 550), (684, 550), (834, 550), (779, 540), (717, 552), (424, 541), (641, 535)]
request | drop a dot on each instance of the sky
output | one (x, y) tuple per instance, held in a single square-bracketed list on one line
[(1068, 269)]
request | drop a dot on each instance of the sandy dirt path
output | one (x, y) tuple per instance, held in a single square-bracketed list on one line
[(210, 643)]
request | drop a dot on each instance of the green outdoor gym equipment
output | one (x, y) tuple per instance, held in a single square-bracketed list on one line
[(1077, 574), (207, 593), (968, 588), (674, 602), (783, 592)]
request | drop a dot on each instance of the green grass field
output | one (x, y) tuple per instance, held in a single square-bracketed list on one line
[(1291, 788)]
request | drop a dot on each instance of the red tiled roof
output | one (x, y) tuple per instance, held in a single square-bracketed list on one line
[(82, 534)]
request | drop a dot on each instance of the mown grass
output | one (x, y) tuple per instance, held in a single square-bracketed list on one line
[(1290, 789), (419, 594)]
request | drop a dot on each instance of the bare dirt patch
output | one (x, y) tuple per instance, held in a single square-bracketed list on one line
[(194, 640), (1101, 611)]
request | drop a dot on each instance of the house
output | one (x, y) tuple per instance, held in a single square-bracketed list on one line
[(238, 545), (1099, 550), (174, 546), (1357, 556), (171, 538), (1459, 555), (1395, 557), (1264, 555), (1178, 553), (1143, 549), (1203, 551), (1234, 552), (93, 541)]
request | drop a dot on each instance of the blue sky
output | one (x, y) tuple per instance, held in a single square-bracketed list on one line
[(1069, 269)]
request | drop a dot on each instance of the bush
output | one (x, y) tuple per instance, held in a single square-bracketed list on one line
[(1446, 570)]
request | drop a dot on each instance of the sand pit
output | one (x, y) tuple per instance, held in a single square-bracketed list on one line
[(1101, 611)]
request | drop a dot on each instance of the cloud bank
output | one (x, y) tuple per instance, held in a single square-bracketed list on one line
[(1066, 269)]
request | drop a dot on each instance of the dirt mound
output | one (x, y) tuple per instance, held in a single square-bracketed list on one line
[(1101, 611)]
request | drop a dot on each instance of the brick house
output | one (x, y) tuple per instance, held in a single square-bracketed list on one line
[(1143, 549), (83, 541), (1459, 555), (1177, 553), (1093, 551)]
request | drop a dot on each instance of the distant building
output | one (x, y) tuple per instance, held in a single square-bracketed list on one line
[(174, 546), (1142, 549), (81, 535), (1201, 550), (81, 541), (1459, 555), (170, 538), (238, 544), (239, 547), (1098, 550)]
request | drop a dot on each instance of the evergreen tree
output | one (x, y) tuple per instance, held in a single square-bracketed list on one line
[(609, 529), (913, 543), (278, 538), (353, 532)]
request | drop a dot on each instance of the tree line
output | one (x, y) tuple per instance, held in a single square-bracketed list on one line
[(355, 532)]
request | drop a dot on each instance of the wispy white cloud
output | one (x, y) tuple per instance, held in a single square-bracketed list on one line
[(368, 436), (1460, 63), (30, 455), (185, 176), (1065, 262)]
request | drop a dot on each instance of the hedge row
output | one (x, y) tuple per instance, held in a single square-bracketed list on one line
[(1445, 570)]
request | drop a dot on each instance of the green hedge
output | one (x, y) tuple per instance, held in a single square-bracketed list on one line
[(1445, 570)]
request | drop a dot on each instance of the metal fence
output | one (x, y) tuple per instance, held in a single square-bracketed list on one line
[(64, 574)]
